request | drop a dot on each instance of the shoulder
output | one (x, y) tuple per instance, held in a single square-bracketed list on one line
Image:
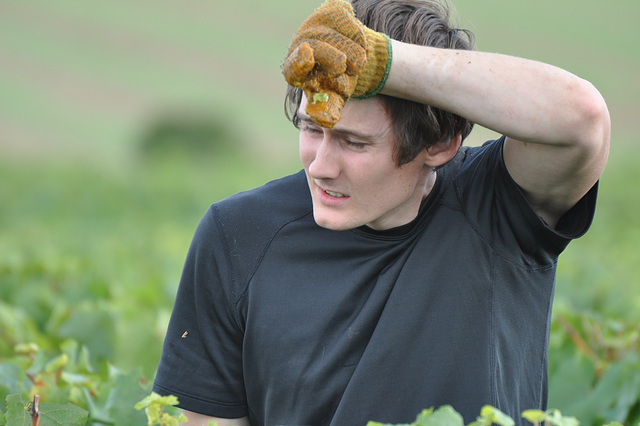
[(279, 200), (248, 217), (241, 227)]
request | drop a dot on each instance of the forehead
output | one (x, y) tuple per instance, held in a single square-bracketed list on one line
[(359, 115)]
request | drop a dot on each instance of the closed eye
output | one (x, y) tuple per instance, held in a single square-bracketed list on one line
[(356, 145), (309, 129), (312, 130)]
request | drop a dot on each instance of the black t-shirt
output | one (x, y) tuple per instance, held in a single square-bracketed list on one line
[(293, 324)]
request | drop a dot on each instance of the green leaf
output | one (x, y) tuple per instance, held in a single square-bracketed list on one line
[(623, 381), (154, 407), (81, 326), (554, 417), (84, 361), (490, 415), (99, 414), (57, 363), (156, 399), (372, 423), (571, 382), (119, 404), (12, 379), (38, 363), (16, 414), (424, 414), (26, 348), (443, 416), (493, 415), (59, 414), (534, 416), (612, 397), (75, 379)]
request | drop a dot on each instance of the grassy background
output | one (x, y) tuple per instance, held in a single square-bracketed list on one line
[(95, 228), (82, 80)]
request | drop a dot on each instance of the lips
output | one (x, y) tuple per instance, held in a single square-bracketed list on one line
[(329, 197), (334, 194)]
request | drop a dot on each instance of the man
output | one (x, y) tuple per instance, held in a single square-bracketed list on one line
[(398, 271)]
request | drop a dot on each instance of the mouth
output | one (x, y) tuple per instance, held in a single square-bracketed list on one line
[(334, 194), (331, 198)]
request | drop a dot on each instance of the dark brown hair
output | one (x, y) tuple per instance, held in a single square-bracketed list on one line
[(416, 126)]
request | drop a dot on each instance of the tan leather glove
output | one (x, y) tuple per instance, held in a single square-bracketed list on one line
[(333, 57)]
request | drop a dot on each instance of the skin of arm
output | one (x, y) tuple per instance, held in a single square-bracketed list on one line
[(557, 125), (195, 419)]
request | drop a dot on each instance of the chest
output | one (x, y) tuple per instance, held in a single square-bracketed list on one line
[(330, 313)]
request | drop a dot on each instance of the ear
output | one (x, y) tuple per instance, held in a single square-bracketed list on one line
[(439, 154)]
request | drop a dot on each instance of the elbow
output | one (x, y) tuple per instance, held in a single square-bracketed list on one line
[(594, 120), (589, 126), (592, 130)]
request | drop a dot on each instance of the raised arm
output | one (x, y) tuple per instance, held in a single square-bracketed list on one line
[(557, 124)]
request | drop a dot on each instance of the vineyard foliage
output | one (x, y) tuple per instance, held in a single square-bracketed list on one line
[(107, 111), (89, 264)]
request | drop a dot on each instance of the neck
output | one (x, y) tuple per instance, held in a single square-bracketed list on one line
[(429, 182)]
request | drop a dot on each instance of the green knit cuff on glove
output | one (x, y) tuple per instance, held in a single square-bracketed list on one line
[(376, 70)]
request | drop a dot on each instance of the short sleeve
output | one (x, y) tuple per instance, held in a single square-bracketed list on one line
[(577, 221), (201, 362), (499, 210)]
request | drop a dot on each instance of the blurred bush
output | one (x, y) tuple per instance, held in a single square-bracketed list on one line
[(191, 135)]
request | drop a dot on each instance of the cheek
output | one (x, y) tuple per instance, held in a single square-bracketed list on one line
[(306, 151)]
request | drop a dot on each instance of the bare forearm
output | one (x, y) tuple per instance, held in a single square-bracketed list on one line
[(196, 419), (523, 99)]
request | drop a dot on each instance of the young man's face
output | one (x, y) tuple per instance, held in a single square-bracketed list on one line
[(352, 174)]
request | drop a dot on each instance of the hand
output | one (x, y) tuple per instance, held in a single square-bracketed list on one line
[(334, 57)]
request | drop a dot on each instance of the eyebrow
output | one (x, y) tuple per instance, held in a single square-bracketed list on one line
[(358, 135)]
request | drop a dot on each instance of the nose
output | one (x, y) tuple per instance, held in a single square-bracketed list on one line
[(326, 161)]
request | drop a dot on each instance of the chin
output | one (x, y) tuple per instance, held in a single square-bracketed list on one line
[(333, 225)]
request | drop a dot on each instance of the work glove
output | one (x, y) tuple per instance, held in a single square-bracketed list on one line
[(333, 57)]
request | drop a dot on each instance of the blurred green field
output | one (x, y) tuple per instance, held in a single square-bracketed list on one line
[(95, 226), (82, 80)]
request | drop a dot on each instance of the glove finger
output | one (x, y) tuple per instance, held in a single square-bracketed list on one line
[(356, 54), (298, 64), (339, 15), (356, 62), (325, 113), (330, 60), (342, 85), (329, 10)]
